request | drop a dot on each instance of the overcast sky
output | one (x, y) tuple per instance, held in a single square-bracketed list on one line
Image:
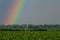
[(41, 12)]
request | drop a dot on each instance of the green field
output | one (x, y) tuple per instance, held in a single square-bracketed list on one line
[(28, 35)]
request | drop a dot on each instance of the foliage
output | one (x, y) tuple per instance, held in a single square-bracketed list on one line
[(29, 35), (30, 32)]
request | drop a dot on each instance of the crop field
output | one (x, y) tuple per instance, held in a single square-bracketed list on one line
[(29, 35)]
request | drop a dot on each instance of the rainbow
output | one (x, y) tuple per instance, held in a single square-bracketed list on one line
[(16, 10)]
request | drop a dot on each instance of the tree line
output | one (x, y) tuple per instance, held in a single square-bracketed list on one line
[(29, 27)]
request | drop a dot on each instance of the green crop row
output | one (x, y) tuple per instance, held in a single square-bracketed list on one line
[(29, 35)]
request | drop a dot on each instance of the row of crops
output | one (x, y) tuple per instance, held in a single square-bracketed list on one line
[(28, 35)]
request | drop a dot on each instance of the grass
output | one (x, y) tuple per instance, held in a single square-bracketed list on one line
[(29, 35)]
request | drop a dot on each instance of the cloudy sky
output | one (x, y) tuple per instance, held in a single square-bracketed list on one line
[(41, 12)]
